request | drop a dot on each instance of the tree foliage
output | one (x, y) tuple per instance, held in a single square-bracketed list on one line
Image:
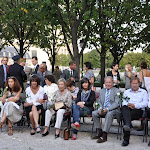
[(19, 23)]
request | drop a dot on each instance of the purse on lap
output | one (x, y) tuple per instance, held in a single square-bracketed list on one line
[(58, 105)]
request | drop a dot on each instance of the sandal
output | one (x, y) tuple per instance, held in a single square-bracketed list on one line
[(38, 130), (75, 126), (10, 132), (74, 137), (32, 131)]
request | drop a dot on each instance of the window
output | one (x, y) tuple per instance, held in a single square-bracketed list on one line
[(34, 53)]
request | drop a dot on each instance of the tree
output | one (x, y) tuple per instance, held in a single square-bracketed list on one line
[(74, 17), (20, 23), (116, 28), (50, 38)]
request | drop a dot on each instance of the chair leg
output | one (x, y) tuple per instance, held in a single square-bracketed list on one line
[(92, 129), (118, 131)]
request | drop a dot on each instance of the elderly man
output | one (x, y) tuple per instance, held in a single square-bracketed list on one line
[(109, 103), (42, 73), (132, 109)]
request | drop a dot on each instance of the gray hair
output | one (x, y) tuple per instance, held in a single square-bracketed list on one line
[(61, 80), (108, 77)]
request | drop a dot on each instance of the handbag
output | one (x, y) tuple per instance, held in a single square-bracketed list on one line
[(58, 105), (65, 133), (143, 86)]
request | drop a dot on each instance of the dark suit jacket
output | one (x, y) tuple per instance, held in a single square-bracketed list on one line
[(1, 76), (36, 69), (66, 75), (110, 74), (90, 100), (17, 71)]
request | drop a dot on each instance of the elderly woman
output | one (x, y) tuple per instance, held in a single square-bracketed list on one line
[(89, 73), (128, 75), (49, 89), (63, 100), (34, 100), (83, 106), (12, 108), (115, 74), (74, 90)]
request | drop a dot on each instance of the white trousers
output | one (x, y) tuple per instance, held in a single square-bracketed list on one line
[(48, 116), (59, 118)]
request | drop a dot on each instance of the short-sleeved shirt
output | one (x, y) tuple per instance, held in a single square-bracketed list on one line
[(32, 98), (89, 74)]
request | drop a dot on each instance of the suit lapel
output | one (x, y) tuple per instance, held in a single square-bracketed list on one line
[(103, 95)]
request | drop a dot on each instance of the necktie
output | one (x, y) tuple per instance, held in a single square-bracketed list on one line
[(71, 73), (106, 99)]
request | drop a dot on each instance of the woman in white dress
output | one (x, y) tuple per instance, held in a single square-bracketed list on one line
[(49, 89), (34, 100), (12, 108)]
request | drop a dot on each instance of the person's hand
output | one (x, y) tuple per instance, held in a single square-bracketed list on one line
[(26, 104), (103, 111), (80, 104), (72, 79), (118, 82), (132, 106), (40, 101)]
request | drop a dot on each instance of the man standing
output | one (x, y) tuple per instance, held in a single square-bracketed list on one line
[(3, 72), (57, 74), (17, 71), (71, 73), (132, 109), (27, 70), (42, 73), (35, 64), (109, 103)]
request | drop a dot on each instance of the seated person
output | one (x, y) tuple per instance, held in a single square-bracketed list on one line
[(33, 104), (12, 108), (49, 89), (133, 108), (62, 96), (109, 103), (74, 90), (83, 104)]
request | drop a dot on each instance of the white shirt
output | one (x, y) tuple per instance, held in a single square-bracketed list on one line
[(50, 90), (138, 98), (32, 98)]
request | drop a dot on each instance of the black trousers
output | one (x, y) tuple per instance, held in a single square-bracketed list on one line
[(128, 116)]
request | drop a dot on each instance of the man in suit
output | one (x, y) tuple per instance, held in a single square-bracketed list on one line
[(17, 71), (71, 73), (109, 103), (3, 72), (57, 73), (35, 64), (27, 70), (42, 73)]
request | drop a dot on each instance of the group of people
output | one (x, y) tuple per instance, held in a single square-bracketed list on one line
[(47, 98)]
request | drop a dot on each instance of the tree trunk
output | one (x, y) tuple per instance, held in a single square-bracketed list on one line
[(102, 61), (53, 62), (21, 49)]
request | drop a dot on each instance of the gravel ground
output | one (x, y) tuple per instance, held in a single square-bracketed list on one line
[(24, 141)]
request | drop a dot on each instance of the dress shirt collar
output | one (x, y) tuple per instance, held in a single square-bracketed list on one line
[(139, 90)]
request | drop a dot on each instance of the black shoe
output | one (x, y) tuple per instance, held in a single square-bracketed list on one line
[(32, 133), (56, 136), (149, 143), (125, 143), (45, 134)]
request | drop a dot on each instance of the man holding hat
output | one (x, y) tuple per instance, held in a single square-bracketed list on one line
[(17, 71)]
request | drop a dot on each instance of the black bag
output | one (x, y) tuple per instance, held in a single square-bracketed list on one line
[(66, 133)]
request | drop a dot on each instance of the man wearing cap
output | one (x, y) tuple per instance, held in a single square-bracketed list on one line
[(17, 71)]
